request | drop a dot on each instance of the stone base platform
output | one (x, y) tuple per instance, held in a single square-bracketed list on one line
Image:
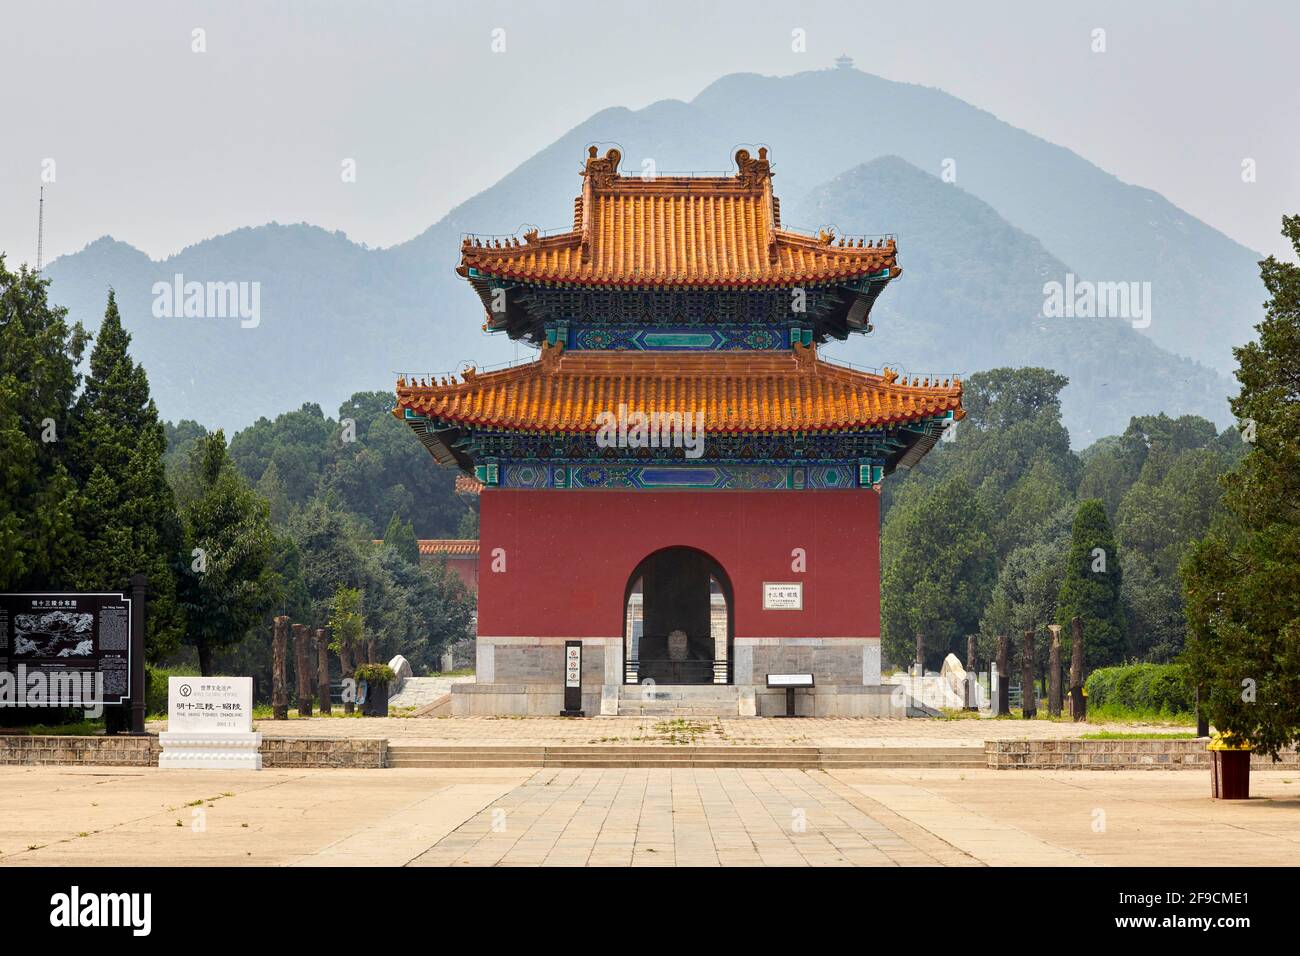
[(686, 700)]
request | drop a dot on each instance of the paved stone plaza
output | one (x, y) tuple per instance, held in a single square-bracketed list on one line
[(643, 817)]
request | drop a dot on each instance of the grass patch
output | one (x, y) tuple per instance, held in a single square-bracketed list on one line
[(1120, 714), (1124, 735), (82, 728), (462, 672), (267, 712), (682, 731)]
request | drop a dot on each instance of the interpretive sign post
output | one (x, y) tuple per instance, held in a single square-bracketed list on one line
[(73, 649)]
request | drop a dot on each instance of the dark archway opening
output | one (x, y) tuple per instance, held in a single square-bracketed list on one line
[(678, 620)]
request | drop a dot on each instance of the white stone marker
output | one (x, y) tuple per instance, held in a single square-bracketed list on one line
[(210, 725)]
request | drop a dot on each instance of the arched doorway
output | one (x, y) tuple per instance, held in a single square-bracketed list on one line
[(678, 623)]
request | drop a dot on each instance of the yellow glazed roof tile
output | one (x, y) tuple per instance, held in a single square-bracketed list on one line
[(735, 392), (678, 231)]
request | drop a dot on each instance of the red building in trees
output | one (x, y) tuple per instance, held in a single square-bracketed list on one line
[(679, 481)]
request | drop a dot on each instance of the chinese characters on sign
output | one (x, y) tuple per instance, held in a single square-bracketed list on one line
[(210, 705), (65, 640), (782, 596)]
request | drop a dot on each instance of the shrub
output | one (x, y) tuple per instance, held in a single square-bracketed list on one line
[(1157, 689), (155, 688), (375, 674)]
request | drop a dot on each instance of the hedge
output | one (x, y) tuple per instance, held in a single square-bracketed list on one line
[(1144, 688), (155, 688)]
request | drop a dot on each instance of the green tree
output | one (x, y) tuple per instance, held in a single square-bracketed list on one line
[(468, 524), (937, 569), (227, 583), (270, 487), (39, 355), (1090, 588), (1171, 505), (127, 516), (347, 623), (1243, 580), (331, 551), (1024, 598), (423, 609), (400, 537)]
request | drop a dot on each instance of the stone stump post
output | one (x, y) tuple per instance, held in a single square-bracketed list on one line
[(1028, 698), (920, 655), (1004, 674), (323, 670), (1078, 703), (302, 664), (1054, 672), (972, 675), (279, 688)]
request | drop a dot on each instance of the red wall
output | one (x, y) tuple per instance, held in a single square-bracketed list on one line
[(569, 555), (465, 568)]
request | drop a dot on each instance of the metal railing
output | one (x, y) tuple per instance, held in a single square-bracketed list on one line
[(663, 671)]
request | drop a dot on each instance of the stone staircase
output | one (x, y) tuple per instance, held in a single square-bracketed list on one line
[(679, 700), (422, 691), (690, 755)]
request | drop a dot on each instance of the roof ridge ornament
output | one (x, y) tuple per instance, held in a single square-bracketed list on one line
[(601, 171), (753, 172)]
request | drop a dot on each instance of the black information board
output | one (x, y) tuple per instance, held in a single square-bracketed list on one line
[(66, 638)]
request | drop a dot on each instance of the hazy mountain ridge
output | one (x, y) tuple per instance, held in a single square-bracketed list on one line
[(338, 317), (970, 298)]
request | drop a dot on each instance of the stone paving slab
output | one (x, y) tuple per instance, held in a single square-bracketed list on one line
[(640, 817), (735, 731)]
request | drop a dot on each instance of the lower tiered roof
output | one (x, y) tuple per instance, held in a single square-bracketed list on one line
[(776, 391)]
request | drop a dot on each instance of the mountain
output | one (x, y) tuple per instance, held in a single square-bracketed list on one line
[(1205, 287), (971, 297), (337, 317)]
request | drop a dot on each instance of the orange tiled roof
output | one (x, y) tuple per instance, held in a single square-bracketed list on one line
[(468, 485), (450, 547), (736, 391), (678, 231)]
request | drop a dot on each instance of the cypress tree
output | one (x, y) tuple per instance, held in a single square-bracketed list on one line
[(400, 536), (1091, 587), (127, 514), (230, 580), (39, 355), (1243, 579)]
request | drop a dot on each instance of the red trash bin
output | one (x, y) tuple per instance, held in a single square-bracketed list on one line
[(1229, 769)]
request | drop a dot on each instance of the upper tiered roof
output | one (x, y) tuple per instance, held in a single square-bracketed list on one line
[(679, 231)]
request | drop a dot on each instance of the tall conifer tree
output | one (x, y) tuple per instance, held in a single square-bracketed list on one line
[(1243, 579), (127, 514), (1091, 588), (39, 354)]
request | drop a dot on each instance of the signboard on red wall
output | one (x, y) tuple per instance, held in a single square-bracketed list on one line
[(782, 596)]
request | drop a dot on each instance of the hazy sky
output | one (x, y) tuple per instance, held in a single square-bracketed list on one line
[(161, 146)]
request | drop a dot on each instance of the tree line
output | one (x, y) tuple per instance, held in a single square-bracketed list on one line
[(1172, 542), (94, 488)]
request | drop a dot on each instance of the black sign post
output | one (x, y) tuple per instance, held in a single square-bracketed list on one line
[(139, 584), (572, 680)]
